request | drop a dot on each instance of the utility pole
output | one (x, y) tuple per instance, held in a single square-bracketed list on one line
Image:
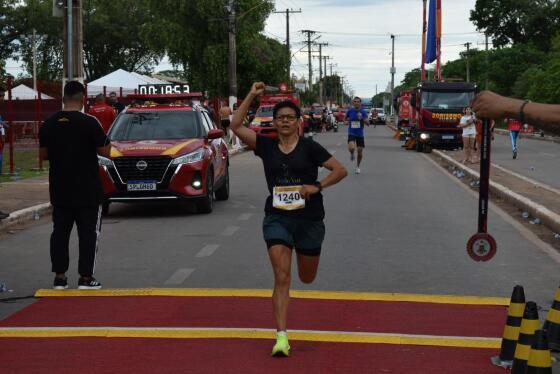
[(232, 71), (73, 41), (288, 12), (468, 45), (321, 70), (34, 60), (393, 71), (309, 33), (325, 58), (486, 41)]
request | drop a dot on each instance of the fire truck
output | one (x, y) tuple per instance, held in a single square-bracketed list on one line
[(436, 111), (262, 124)]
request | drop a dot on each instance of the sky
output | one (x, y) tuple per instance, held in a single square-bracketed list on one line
[(358, 33)]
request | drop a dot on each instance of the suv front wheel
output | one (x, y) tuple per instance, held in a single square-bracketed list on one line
[(206, 204)]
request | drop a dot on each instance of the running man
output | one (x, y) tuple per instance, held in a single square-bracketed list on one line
[(356, 117), (294, 210)]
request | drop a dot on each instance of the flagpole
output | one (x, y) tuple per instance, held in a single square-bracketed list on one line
[(424, 29), (438, 41)]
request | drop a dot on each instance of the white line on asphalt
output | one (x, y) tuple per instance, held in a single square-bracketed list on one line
[(339, 144), (526, 179), (230, 230), (245, 216), (526, 233), (547, 154), (207, 250), (179, 277)]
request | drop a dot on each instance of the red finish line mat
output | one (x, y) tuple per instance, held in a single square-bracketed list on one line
[(367, 332)]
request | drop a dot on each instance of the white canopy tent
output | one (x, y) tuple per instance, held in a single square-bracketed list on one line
[(120, 79), (22, 92)]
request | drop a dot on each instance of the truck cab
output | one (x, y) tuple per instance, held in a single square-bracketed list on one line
[(437, 110)]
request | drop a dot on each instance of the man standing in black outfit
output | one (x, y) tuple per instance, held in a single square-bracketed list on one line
[(114, 102), (71, 141)]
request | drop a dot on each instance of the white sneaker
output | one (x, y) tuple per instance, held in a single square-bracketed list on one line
[(358, 170)]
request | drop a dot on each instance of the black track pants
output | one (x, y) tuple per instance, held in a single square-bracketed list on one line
[(88, 222)]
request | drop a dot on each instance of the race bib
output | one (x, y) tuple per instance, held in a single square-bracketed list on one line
[(287, 198), (355, 124)]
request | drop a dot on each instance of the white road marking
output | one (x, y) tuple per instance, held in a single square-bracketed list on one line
[(230, 230), (547, 154), (245, 217), (207, 250), (179, 277), (526, 233)]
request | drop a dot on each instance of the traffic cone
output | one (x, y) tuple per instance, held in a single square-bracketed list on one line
[(529, 324), (397, 134), (552, 324), (540, 361), (511, 330)]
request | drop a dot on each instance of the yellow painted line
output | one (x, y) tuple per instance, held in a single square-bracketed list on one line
[(297, 294), (176, 148), (218, 333)]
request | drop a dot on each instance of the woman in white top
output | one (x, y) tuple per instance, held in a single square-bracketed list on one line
[(467, 123)]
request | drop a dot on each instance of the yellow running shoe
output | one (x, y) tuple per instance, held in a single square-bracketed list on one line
[(282, 347)]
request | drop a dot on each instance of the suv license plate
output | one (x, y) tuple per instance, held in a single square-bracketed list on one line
[(447, 137), (141, 186)]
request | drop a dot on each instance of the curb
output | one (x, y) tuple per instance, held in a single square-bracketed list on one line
[(29, 214), (547, 217), (547, 138), (24, 215)]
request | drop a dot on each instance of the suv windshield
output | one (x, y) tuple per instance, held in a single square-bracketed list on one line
[(446, 100), (157, 126), (265, 112)]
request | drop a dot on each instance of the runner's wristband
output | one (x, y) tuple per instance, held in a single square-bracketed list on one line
[(318, 185), (522, 113)]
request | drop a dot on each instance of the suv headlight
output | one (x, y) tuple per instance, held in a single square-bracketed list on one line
[(104, 161), (190, 158)]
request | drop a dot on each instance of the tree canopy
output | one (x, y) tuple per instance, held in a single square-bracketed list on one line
[(136, 35)]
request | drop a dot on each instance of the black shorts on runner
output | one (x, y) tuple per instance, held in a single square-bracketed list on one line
[(225, 123), (304, 235), (359, 140)]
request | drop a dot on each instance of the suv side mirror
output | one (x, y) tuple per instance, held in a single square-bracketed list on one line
[(215, 134)]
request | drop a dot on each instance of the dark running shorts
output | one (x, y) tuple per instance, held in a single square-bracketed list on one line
[(225, 123), (359, 141), (302, 234)]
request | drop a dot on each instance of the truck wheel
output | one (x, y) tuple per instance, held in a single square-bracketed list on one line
[(105, 208), (419, 145), (206, 204), (222, 193)]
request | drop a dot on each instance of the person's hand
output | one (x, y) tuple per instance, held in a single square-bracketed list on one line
[(257, 89), (490, 105), (307, 190)]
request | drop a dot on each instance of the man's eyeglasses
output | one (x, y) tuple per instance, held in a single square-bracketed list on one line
[(289, 117)]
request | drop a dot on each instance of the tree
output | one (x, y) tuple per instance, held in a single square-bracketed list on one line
[(517, 21), (120, 34), (8, 32), (196, 39), (37, 15)]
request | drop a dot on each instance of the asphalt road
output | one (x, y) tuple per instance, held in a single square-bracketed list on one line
[(399, 226), (536, 159)]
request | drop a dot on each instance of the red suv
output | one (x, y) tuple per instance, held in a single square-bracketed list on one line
[(166, 150)]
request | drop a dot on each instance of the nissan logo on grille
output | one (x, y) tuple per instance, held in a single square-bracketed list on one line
[(141, 165)]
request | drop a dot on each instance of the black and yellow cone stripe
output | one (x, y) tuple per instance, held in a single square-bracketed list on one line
[(529, 324), (513, 324), (540, 361), (552, 324)]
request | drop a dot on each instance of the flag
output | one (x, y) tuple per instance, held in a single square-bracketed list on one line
[(433, 31)]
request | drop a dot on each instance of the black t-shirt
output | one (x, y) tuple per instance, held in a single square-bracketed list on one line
[(72, 139), (296, 168), (118, 106)]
